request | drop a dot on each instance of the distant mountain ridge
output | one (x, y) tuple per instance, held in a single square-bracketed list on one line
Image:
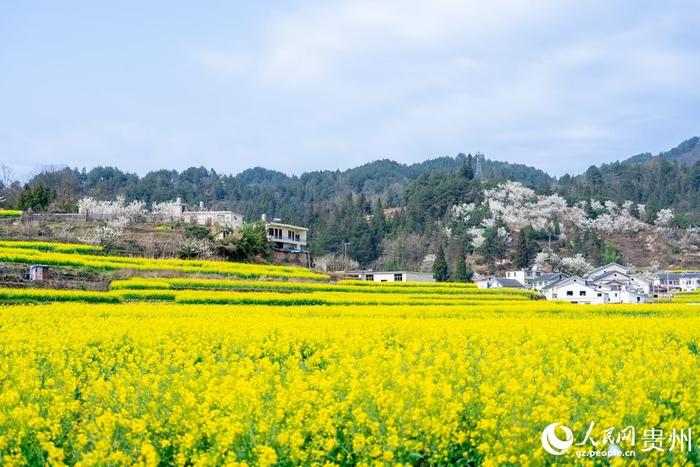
[(686, 153)]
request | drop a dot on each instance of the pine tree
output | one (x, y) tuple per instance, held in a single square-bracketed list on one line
[(462, 272), (468, 168), (520, 254), (378, 219), (440, 272)]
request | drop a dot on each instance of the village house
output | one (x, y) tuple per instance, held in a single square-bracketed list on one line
[(493, 282), (390, 276), (690, 281), (526, 276), (548, 278), (677, 281), (608, 269), (575, 289), (228, 219), (611, 283), (286, 237)]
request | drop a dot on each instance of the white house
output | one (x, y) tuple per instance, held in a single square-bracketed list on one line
[(391, 276), (548, 278), (632, 296), (611, 283), (689, 281), (667, 281), (492, 282), (624, 287), (605, 270), (525, 276), (641, 284), (611, 276), (229, 219), (679, 281), (286, 236), (575, 289), (179, 211)]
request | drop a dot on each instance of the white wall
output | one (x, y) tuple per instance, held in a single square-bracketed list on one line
[(590, 295)]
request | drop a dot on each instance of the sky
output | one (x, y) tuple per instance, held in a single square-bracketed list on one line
[(310, 85)]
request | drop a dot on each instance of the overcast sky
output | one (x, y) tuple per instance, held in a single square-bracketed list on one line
[(299, 86)]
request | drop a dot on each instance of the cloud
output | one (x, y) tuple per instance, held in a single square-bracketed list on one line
[(313, 85)]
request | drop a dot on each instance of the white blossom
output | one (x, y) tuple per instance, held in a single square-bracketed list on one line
[(575, 265), (664, 218), (488, 222), (107, 235), (167, 210), (111, 209), (191, 247), (596, 205), (462, 212), (477, 237), (548, 260)]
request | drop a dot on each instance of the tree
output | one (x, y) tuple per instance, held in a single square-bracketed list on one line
[(592, 247), (108, 235), (594, 177), (526, 248), (612, 254), (463, 273), (378, 219), (36, 197), (576, 265), (246, 243), (440, 272), (467, 170)]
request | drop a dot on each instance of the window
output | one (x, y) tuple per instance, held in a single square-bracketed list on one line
[(600, 294), (398, 277), (582, 293), (369, 277), (569, 293)]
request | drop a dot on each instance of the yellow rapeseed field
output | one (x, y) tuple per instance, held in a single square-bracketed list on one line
[(76, 255), (150, 383)]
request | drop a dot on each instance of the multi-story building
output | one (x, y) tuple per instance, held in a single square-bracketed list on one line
[(286, 236)]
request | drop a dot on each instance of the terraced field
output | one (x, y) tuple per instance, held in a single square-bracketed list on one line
[(302, 370)]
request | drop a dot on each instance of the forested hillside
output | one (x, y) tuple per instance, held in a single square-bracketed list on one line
[(392, 215)]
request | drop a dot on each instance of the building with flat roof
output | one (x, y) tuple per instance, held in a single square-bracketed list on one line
[(286, 236), (390, 276)]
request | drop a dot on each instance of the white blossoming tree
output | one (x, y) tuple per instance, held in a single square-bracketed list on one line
[(576, 265), (664, 218)]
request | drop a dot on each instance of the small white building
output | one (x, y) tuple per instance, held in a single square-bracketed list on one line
[(37, 272), (548, 278), (493, 282), (178, 211), (286, 236), (597, 273), (391, 276), (575, 289), (526, 276), (668, 281), (689, 281), (631, 296), (641, 284), (229, 219)]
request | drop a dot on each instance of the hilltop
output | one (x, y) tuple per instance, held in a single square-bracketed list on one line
[(394, 215)]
